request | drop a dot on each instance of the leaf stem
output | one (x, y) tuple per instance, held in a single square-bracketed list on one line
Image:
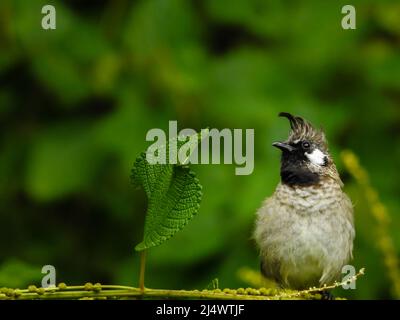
[(142, 270)]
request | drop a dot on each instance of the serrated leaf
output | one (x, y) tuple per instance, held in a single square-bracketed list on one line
[(173, 192)]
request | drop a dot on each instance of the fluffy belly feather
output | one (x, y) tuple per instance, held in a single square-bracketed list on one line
[(306, 244)]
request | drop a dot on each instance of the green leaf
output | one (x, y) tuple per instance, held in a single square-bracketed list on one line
[(173, 192)]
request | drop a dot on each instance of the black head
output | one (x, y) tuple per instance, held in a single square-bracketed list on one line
[(305, 158)]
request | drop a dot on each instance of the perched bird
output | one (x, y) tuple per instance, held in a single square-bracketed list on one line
[(305, 230)]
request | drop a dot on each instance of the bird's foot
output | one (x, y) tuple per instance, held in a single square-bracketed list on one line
[(326, 295)]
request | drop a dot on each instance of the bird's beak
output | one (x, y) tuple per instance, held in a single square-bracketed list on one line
[(284, 146)]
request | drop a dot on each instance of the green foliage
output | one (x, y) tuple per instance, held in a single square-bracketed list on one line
[(17, 274), (76, 103), (173, 193), (64, 154)]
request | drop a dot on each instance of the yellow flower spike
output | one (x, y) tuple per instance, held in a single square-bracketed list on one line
[(254, 278), (380, 213)]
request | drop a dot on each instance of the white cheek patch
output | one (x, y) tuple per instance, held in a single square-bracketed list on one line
[(316, 157)]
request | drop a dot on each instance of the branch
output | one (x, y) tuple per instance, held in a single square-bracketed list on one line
[(98, 291)]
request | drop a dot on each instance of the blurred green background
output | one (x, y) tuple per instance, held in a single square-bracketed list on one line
[(77, 102)]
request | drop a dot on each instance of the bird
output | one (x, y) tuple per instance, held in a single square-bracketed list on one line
[(305, 230)]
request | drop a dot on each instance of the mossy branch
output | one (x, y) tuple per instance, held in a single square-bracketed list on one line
[(99, 292)]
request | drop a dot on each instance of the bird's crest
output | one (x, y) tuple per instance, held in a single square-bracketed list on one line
[(301, 129)]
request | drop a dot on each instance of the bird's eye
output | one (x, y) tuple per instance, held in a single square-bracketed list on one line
[(306, 145)]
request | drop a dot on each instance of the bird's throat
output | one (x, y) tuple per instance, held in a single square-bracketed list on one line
[(299, 176)]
